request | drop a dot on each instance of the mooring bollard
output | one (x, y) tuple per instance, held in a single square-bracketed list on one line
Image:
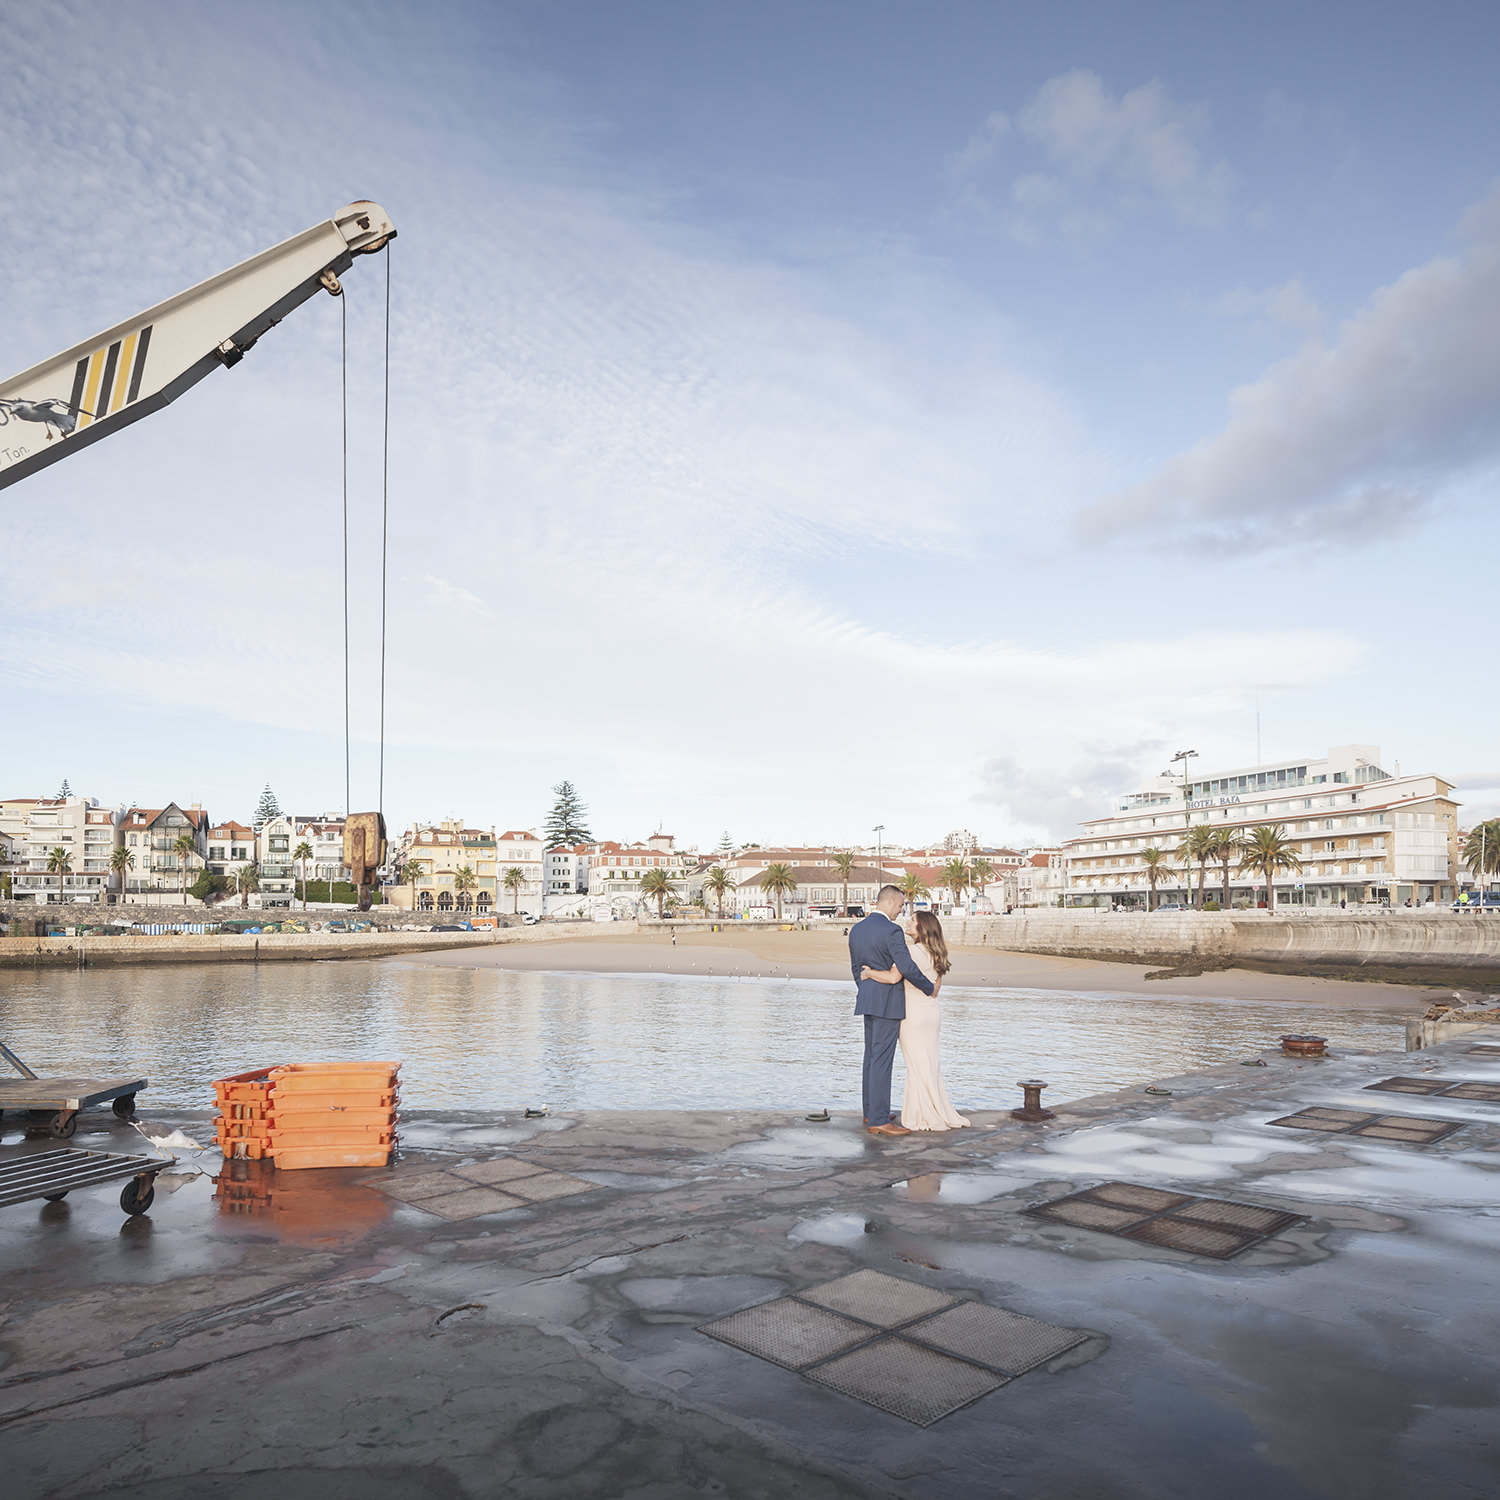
[(1298, 1045), (1031, 1110)]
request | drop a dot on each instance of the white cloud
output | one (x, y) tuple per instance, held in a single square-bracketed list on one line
[(451, 595), (1354, 437), (1105, 159), (1288, 306)]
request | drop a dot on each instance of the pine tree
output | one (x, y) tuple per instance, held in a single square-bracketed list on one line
[(266, 809), (64, 790), (726, 845), (567, 823)]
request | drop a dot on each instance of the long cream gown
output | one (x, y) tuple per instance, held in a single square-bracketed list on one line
[(925, 1105)]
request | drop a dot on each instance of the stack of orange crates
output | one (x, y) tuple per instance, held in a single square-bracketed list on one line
[(333, 1114), (310, 1114), (243, 1125)]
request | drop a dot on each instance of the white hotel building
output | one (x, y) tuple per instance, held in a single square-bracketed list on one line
[(1361, 833)]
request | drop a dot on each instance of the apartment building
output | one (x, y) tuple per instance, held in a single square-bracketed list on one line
[(616, 870), (819, 885), (567, 870), (323, 833), (273, 848), (84, 831), (231, 846), (156, 869), (459, 869), (1361, 833)]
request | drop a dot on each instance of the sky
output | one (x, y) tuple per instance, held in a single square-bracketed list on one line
[(803, 418)]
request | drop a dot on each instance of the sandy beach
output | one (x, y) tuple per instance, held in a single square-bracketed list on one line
[(751, 951)]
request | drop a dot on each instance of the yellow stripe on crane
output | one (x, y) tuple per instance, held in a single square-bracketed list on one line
[(91, 387), (122, 379)]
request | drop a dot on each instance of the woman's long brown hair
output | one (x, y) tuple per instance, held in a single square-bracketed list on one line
[(930, 936)]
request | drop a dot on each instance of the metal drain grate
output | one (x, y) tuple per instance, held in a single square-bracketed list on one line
[(916, 1384), (1002, 1341), (930, 1354), (1483, 1051), (789, 1333), (1415, 1130), (884, 1301), (1446, 1088), (1410, 1085), (1215, 1227)]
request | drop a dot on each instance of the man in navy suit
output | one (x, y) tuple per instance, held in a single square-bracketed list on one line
[(878, 941)]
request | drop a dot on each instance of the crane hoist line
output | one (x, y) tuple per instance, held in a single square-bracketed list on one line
[(117, 377)]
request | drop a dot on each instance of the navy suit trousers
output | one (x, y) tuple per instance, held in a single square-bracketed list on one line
[(881, 1036)]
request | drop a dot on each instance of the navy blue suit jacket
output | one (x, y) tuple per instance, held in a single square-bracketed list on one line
[(879, 942)]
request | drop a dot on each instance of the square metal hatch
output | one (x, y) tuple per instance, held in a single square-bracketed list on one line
[(1415, 1130)]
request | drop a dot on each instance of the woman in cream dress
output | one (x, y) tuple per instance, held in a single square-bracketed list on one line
[(925, 1105)]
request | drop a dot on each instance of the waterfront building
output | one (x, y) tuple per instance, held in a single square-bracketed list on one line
[(818, 886), (521, 849), (274, 843), (77, 825), (150, 834), (231, 846), (1362, 834), (1043, 879), (443, 850), (566, 870), (324, 835), (616, 871)]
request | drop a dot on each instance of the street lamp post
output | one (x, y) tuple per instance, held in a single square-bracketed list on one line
[(1187, 821)]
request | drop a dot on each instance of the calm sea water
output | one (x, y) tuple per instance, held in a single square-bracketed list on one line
[(499, 1040)]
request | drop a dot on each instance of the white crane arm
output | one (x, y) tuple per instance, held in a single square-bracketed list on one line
[(138, 366)]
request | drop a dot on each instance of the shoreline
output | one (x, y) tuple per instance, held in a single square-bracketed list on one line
[(818, 954)]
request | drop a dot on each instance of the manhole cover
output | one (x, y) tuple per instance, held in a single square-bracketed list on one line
[(471, 1204), (1215, 1227), (1416, 1130), (547, 1186), (788, 1332), (1002, 1341), (919, 1385), (1488, 1093), (502, 1169), (885, 1301)]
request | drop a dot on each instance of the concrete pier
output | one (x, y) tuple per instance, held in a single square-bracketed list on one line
[(323, 1334)]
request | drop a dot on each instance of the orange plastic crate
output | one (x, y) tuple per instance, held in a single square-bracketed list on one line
[(293, 1159), (330, 1078), (300, 1139), (250, 1087), (240, 1129), (341, 1119), (295, 1102), (247, 1148), (229, 1110)]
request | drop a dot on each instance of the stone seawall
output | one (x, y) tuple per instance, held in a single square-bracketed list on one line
[(1445, 947), (271, 947)]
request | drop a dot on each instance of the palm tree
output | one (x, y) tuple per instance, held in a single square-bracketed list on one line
[(5, 880), (1154, 861), (120, 861), (59, 863), (411, 872), (302, 853), (464, 881), (514, 879), (183, 846), (956, 878), (1482, 850), (1197, 844), (779, 881), (1224, 846), (981, 873), (913, 887), (843, 866), (656, 883), (718, 881), (1267, 852), (247, 878)]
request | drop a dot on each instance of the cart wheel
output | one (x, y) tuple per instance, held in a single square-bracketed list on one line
[(124, 1107), (54, 1197), (136, 1195), (63, 1124)]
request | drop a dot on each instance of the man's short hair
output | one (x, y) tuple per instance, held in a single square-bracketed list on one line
[(890, 890)]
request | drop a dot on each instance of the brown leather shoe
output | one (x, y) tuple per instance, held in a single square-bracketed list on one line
[(889, 1129)]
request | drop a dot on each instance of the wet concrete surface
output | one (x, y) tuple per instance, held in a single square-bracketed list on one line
[(305, 1334)]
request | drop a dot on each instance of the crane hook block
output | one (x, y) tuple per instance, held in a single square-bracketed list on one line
[(123, 374)]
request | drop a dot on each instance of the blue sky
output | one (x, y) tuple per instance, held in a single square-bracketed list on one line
[(803, 417)]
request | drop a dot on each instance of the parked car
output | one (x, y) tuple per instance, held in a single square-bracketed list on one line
[(529, 919), (1171, 906), (1489, 902)]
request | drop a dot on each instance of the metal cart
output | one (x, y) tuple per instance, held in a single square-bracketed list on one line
[(54, 1174), (63, 1098)]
